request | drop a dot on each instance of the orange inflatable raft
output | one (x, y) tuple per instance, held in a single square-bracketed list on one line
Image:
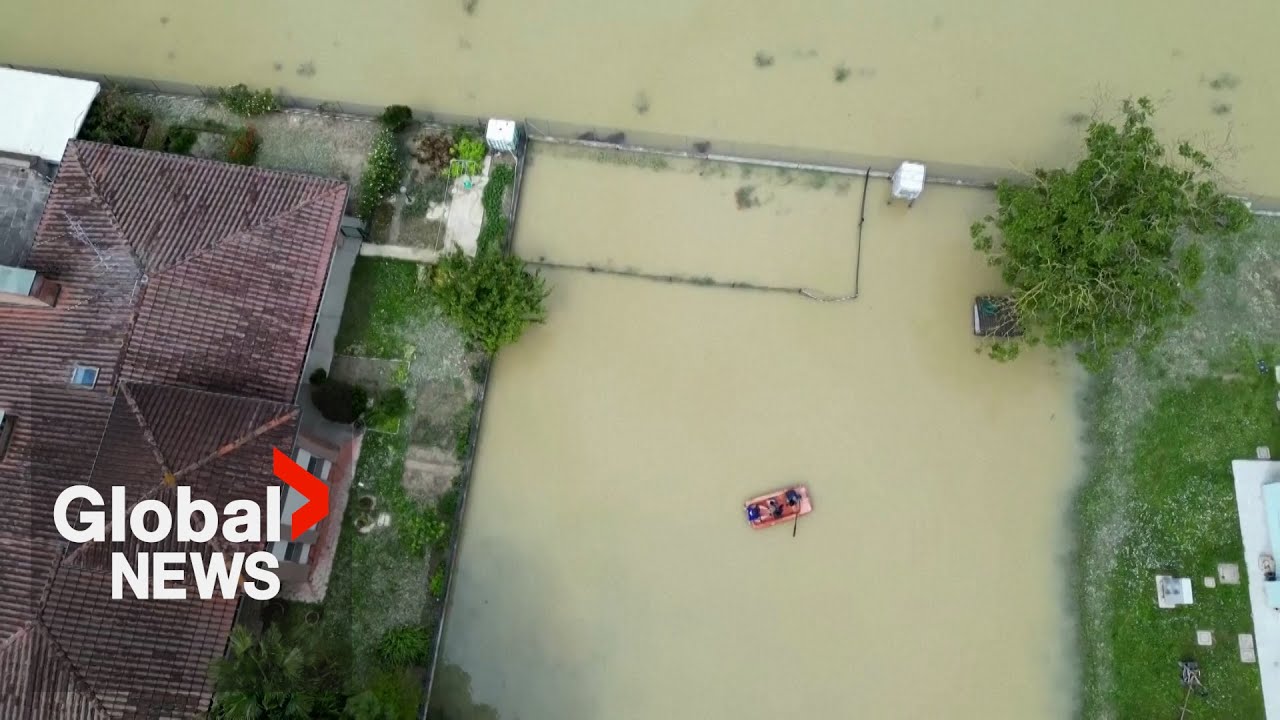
[(778, 506)]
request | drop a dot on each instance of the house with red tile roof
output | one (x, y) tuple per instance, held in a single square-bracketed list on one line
[(156, 336)]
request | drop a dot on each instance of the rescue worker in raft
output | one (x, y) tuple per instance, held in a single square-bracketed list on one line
[(753, 514)]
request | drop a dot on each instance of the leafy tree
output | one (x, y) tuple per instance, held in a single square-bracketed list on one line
[(1105, 255), (491, 297), (396, 117), (271, 678)]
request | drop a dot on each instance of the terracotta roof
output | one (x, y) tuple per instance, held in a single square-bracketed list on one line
[(185, 282)]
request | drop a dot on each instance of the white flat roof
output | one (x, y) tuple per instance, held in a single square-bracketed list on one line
[(40, 113), (1250, 476)]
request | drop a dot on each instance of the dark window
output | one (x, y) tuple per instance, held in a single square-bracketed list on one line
[(6, 432), (292, 552), (315, 465)]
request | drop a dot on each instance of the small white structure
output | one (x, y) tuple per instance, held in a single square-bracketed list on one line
[(40, 113), (502, 135), (907, 182), (1204, 638), (1172, 592)]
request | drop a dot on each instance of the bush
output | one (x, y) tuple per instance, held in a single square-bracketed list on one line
[(447, 505), (420, 528), (491, 298), (392, 695), (180, 140), (468, 155), (396, 117), (240, 100), (243, 146), (436, 584), (405, 646), (381, 175), (318, 376), (116, 118), (339, 401), (392, 403)]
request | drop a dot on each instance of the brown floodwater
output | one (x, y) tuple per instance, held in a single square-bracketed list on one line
[(999, 84), (606, 570)]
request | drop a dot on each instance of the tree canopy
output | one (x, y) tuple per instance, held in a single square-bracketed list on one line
[(1105, 255), (272, 678), (491, 297)]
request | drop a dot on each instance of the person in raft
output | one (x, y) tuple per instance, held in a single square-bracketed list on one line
[(753, 514), (774, 508), (793, 497)]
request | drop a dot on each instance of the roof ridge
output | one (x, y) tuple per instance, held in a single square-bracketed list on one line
[(285, 214), (80, 684), (111, 211), (145, 427), (289, 413), (189, 159)]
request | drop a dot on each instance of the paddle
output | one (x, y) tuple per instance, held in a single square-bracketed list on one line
[(796, 525)]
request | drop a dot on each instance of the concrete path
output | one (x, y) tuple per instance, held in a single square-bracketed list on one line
[(466, 212), (397, 252)]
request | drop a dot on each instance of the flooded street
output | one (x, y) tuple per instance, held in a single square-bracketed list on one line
[(1003, 85), (606, 569)]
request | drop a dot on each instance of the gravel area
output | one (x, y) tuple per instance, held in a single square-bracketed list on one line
[(297, 141)]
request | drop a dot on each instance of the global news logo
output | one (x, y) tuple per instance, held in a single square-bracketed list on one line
[(163, 575)]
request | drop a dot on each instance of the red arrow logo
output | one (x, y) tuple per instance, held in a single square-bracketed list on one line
[(315, 491)]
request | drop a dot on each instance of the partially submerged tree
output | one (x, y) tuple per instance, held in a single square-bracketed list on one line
[(1105, 255)]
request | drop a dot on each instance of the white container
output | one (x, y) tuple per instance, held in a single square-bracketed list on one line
[(502, 135), (908, 182)]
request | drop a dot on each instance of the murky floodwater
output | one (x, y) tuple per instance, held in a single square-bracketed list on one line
[(606, 570), (995, 84)]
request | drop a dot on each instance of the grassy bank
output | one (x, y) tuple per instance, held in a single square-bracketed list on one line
[(1159, 497)]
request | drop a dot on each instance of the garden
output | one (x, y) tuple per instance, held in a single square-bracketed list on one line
[(412, 355)]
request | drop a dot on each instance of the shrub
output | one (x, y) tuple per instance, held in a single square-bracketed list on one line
[(116, 118), (392, 695), (392, 403), (447, 505), (339, 401), (468, 153), (396, 117), (491, 298), (318, 376), (240, 100), (405, 646), (462, 442), (381, 175), (420, 528), (180, 140), (243, 146), (436, 584)]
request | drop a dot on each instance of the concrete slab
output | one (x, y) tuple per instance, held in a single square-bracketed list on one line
[(1250, 476), (1210, 581), (1247, 652), (1264, 452), (466, 213), (1204, 637), (1229, 573)]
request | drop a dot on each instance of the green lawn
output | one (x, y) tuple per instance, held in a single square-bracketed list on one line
[(1159, 498)]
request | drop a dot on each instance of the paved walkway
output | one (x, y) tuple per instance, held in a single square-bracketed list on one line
[(22, 196), (399, 252)]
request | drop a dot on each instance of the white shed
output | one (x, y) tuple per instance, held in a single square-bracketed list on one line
[(40, 113)]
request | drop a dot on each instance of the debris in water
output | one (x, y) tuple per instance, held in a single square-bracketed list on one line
[(745, 197), (641, 103), (842, 72), (763, 59)]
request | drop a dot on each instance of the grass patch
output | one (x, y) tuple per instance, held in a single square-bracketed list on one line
[(1159, 496), (384, 296)]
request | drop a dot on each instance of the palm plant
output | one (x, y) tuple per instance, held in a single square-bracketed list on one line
[(270, 678)]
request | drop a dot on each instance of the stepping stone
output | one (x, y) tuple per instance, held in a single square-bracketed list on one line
[(1264, 452), (1204, 637), (1247, 652), (1229, 573), (1210, 581)]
